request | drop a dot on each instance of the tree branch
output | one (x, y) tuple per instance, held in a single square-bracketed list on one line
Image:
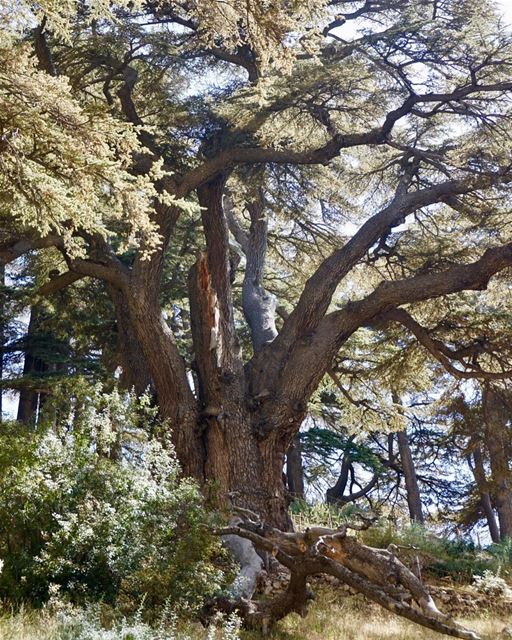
[(15, 246), (322, 155), (440, 351), (58, 283), (303, 366), (320, 287)]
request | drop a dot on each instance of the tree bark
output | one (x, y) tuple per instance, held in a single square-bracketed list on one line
[(135, 372), (482, 484), (174, 395), (294, 469), (335, 493), (498, 443), (411, 479), (234, 461)]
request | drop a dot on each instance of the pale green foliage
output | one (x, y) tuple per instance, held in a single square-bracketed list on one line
[(58, 15), (265, 25), (72, 517), (63, 168)]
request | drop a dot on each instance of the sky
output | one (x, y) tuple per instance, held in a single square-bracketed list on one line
[(506, 8)]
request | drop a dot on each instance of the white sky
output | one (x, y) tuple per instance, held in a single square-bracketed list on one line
[(506, 8)]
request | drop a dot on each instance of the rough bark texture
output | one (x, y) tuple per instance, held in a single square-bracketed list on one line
[(233, 457), (135, 372), (294, 469), (168, 372)]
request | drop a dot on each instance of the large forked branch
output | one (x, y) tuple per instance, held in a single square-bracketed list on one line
[(439, 350), (319, 289), (336, 326), (309, 359)]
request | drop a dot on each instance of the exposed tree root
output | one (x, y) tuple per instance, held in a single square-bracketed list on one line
[(376, 573)]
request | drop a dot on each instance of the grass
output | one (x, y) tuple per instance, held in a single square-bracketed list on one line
[(27, 625), (354, 619), (330, 618)]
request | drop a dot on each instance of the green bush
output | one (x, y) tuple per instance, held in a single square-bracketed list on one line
[(75, 520), (459, 559), (322, 514)]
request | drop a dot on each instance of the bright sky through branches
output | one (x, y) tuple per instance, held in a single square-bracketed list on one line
[(506, 8)]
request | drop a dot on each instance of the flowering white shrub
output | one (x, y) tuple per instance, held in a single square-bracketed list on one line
[(77, 522), (492, 584), (86, 624)]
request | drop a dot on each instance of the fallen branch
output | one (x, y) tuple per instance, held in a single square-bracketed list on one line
[(376, 573)]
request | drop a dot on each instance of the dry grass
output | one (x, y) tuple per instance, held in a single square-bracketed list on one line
[(329, 619), (27, 625)]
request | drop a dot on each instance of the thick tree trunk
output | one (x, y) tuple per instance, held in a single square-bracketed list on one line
[(242, 466), (498, 442), (411, 480), (135, 371), (273, 452), (174, 395)]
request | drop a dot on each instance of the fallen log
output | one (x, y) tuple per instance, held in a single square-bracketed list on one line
[(376, 573)]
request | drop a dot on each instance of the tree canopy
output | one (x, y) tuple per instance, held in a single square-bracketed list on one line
[(271, 215)]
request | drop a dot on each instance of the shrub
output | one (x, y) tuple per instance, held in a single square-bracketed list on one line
[(61, 621), (459, 559), (93, 526), (491, 584), (321, 514)]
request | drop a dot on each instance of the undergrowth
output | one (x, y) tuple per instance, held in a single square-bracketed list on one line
[(330, 618), (459, 559)]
